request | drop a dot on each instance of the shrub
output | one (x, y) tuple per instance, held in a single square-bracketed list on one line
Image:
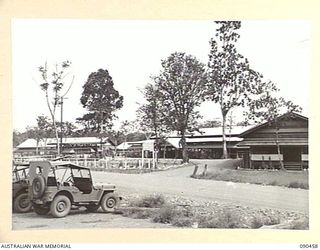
[(256, 222), (152, 201), (182, 222), (166, 215), (301, 224), (274, 183), (225, 219), (272, 220)]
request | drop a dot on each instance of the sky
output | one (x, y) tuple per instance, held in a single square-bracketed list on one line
[(132, 50)]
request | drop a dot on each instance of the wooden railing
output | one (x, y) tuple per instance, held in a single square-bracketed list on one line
[(304, 157), (118, 162), (266, 157)]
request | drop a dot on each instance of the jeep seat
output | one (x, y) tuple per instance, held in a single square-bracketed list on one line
[(83, 184)]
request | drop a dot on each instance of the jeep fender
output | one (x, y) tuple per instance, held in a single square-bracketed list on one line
[(66, 193), (19, 191), (113, 191)]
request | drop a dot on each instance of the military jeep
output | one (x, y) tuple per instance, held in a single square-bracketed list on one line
[(57, 186), (20, 199)]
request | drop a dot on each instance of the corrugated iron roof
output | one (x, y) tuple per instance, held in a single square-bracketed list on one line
[(32, 143), (214, 139), (124, 146), (217, 131), (51, 142)]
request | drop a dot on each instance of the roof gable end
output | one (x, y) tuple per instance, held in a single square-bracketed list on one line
[(259, 126)]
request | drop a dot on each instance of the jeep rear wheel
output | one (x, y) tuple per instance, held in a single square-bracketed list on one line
[(38, 186), (109, 202), (92, 207), (60, 206), (22, 203), (40, 210)]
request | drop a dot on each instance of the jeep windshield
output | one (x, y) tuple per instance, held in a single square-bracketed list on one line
[(20, 174)]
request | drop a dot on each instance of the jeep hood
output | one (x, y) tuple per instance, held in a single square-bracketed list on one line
[(104, 186)]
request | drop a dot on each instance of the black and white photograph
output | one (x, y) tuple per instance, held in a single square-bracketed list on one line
[(169, 124)]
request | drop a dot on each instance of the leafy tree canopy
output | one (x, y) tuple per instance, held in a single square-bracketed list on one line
[(179, 91), (101, 99)]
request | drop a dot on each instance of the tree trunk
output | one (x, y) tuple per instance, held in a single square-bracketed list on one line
[(157, 150), (37, 147), (56, 135), (164, 151), (224, 140), (185, 157), (278, 147)]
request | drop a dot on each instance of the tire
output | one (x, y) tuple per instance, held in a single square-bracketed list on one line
[(40, 210), (38, 186), (92, 207), (109, 202), (22, 203), (60, 206)]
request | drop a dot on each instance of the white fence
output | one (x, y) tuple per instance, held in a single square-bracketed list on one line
[(125, 163), (109, 163), (266, 157), (304, 157)]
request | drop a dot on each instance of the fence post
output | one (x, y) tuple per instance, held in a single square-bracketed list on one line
[(205, 170), (270, 162), (195, 171)]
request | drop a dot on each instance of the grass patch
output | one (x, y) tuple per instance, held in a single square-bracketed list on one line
[(297, 184), (263, 177), (137, 213)]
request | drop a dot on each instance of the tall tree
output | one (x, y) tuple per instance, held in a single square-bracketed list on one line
[(231, 81), (180, 87), (101, 99), (53, 81), (268, 107)]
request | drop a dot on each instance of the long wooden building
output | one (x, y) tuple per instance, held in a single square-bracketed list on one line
[(259, 145)]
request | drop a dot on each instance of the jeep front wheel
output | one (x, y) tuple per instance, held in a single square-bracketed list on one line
[(40, 210), (109, 202), (60, 206), (22, 203)]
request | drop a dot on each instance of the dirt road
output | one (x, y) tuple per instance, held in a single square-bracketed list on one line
[(80, 219), (175, 182), (178, 182)]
